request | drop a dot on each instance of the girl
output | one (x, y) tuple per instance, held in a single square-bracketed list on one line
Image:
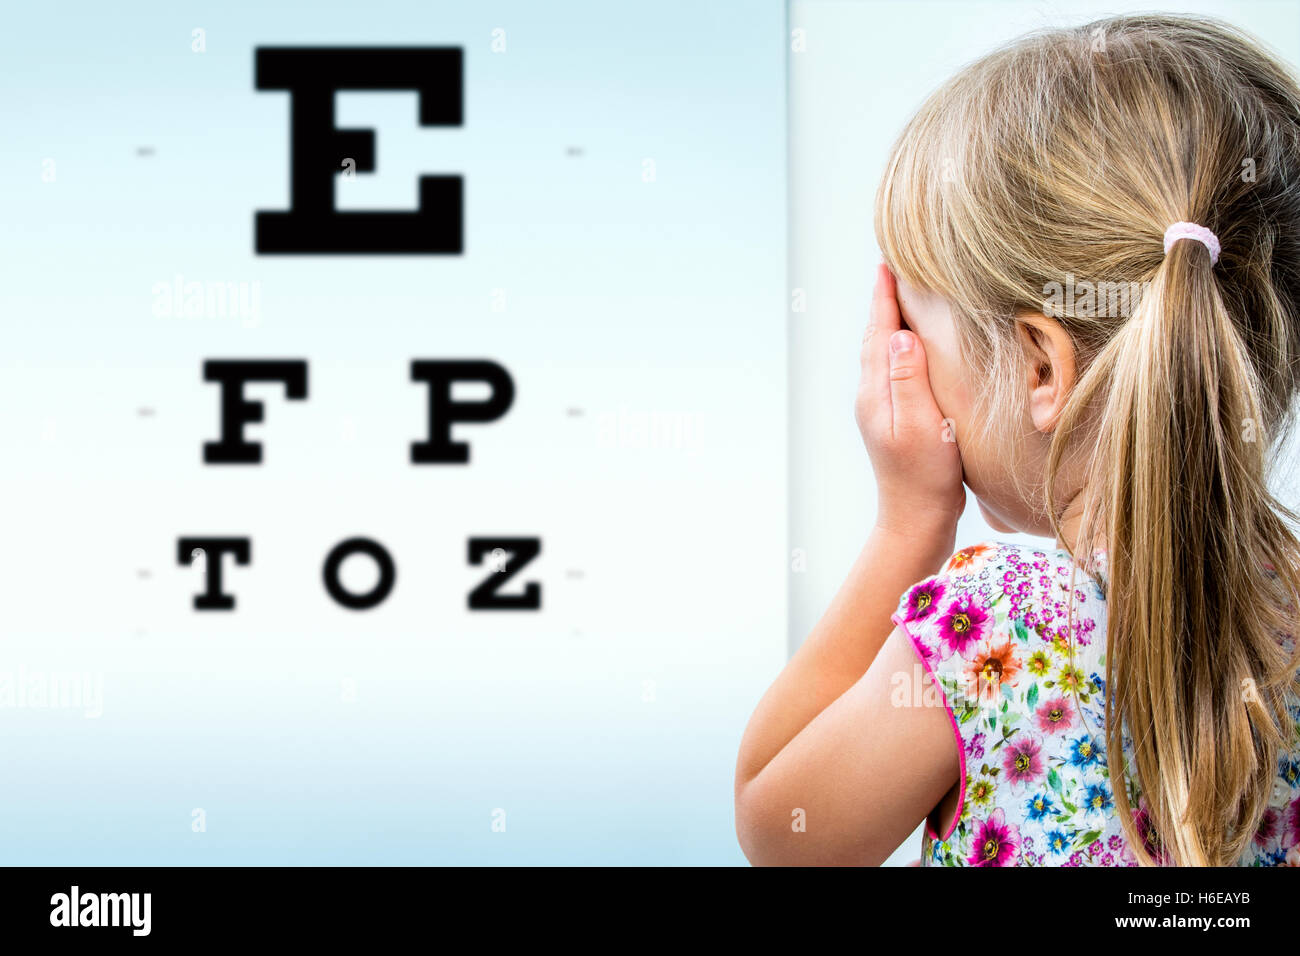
[(1091, 316)]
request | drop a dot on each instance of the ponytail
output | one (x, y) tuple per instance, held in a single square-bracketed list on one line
[(1201, 575)]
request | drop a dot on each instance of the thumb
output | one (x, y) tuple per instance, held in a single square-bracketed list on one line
[(911, 400)]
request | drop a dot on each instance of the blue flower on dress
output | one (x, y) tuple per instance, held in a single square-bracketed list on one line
[(1289, 770), (1097, 800), (1086, 752), (1040, 805), (1058, 842)]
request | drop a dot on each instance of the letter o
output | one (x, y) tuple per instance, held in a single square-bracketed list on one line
[(344, 550)]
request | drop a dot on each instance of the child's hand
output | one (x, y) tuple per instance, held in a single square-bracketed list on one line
[(912, 446)]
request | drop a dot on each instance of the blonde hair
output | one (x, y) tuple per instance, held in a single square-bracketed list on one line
[(1062, 159)]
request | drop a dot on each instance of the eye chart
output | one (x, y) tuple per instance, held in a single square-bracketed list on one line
[(395, 414)]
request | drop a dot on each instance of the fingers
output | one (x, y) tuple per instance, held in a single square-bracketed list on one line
[(885, 321), (910, 399), (885, 318)]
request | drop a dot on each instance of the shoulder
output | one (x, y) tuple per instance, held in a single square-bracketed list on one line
[(994, 606), (952, 614)]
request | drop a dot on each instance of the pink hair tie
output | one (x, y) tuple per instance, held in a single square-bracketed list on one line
[(1190, 230)]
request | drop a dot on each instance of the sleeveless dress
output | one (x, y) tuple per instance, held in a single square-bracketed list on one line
[(993, 632)]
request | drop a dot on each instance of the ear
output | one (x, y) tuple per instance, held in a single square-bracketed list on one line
[(1049, 357)]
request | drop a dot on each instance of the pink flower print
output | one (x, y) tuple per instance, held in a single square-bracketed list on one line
[(1055, 715), (1268, 826), (962, 626), (926, 652), (1150, 839), (923, 599), (996, 842), (1023, 760)]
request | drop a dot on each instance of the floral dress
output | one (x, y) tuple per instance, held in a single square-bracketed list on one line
[(1021, 673)]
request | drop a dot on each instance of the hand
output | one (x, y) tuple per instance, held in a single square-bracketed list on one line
[(912, 446)]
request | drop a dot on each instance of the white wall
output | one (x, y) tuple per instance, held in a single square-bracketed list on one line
[(866, 68)]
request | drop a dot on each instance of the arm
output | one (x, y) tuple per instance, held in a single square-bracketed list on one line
[(825, 738)]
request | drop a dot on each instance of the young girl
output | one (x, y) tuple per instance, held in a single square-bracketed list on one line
[(1091, 316)]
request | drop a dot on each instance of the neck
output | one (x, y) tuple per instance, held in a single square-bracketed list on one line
[(1071, 525)]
